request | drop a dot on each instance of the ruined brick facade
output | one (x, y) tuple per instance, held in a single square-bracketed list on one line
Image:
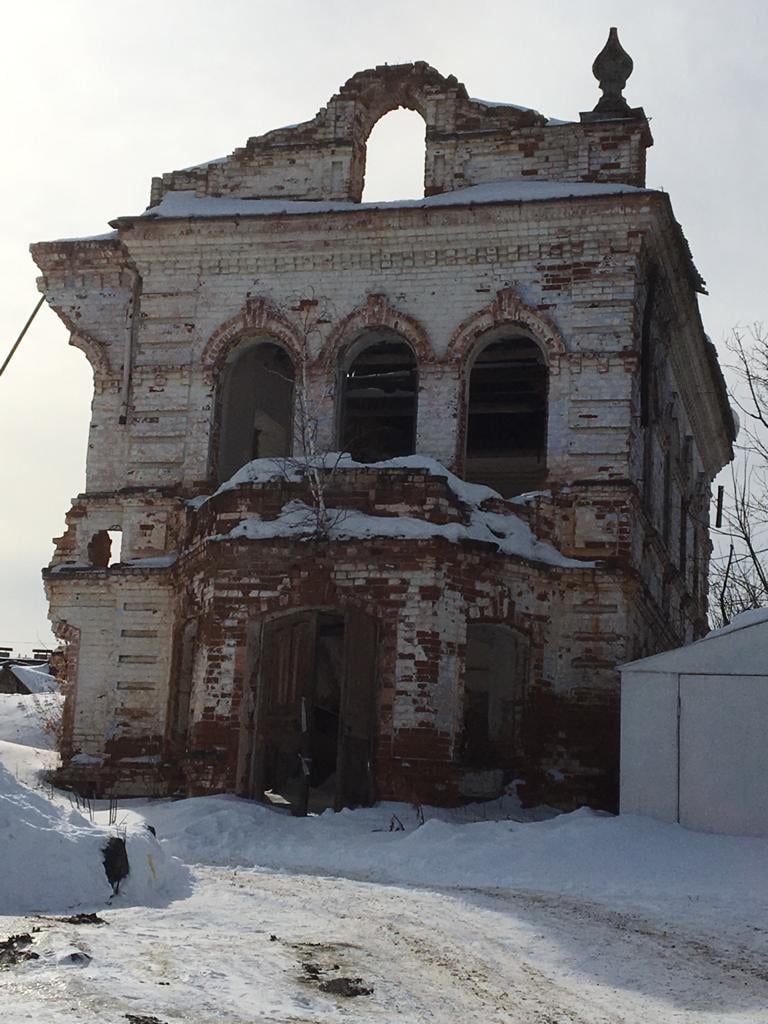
[(428, 663)]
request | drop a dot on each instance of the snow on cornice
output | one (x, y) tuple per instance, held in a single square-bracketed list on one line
[(504, 530), (492, 104), (509, 534), (261, 471), (187, 204)]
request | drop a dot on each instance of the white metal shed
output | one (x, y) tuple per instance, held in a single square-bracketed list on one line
[(694, 731)]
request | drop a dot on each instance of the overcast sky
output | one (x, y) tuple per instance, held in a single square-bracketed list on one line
[(100, 96)]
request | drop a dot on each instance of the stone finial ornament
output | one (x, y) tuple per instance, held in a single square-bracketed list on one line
[(612, 68)]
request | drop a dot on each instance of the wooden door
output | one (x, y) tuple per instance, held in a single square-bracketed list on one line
[(354, 773), (284, 696)]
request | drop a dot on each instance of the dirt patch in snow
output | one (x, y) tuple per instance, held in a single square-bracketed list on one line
[(347, 987), (15, 950), (321, 965), (81, 919)]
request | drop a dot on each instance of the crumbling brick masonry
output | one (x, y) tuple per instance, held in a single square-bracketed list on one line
[(515, 364)]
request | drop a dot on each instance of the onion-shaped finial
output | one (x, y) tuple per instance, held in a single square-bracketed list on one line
[(612, 68)]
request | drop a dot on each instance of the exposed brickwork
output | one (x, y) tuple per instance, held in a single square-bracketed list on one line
[(165, 652)]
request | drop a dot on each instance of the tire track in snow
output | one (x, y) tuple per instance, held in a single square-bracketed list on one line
[(447, 968), (433, 957)]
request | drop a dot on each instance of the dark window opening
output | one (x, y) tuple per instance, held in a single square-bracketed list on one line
[(695, 584), (647, 353), (683, 559), (648, 399), (256, 407), (495, 672), (379, 401), (105, 548), (648, 470), (666, 511), (507, 417), (184, 680)]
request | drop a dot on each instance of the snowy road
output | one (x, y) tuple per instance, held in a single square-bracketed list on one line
[(252, 946)]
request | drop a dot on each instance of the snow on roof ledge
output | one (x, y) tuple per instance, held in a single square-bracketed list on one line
[(751, 617), (37, 679), (505, 531), (261, 471), (720, 652), (186, 203)]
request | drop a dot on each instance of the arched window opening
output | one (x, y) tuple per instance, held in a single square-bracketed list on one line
[(495, 673), (256, 407), (507, 417), (379, 400), (394, 158)]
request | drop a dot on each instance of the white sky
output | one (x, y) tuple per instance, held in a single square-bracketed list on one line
[(100, 96)]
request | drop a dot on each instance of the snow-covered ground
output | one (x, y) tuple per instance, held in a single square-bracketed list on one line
[(467, 916)]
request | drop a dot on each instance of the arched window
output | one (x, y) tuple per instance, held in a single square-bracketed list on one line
[(394, 158), (507, 416), (379, 399), (256, 406)]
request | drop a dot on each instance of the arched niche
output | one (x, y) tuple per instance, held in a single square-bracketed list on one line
[(255, 405), (506, 412), (379, 397)]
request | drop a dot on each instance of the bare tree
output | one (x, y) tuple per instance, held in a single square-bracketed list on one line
[(739, 571), (314, 461)]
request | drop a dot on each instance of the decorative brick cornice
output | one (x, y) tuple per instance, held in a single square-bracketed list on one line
[(506, 308), (95, 352), (376, 312), (259, 317)]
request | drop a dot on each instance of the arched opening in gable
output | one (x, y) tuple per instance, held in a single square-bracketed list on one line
[(394, 157)]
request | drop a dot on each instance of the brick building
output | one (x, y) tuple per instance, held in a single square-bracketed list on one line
[(515, 363)]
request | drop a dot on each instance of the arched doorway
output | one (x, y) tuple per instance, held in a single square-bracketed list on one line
[(255, 406), (506, 441), (379, 397), (311, 711)]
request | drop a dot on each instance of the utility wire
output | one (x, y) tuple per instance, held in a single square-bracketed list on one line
[(24, 330)]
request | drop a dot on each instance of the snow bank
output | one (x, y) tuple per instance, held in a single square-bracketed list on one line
[(27, 718), (51, 860), (52, 856), (585, 853), (50, 853), (186, 203)]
